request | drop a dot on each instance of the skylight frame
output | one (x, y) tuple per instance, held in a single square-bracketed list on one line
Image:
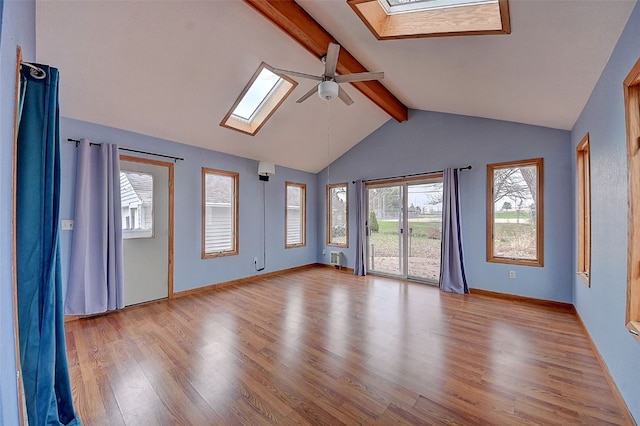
[(420, 5), (265, 109), (475, 19)]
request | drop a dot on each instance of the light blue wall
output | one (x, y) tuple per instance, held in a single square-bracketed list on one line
[(603, 305), (432, 141), (190, 270), (18, 28)]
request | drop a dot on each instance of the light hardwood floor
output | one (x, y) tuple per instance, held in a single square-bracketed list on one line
[(320, 346)]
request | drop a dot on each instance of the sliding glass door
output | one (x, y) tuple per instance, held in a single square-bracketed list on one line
[(424, 222), (405, 228), (386, 229)]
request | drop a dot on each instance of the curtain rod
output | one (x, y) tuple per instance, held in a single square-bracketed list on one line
[(76, 141), (415, 174)]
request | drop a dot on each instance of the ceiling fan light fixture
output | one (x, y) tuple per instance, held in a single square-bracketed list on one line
[(328, 90)]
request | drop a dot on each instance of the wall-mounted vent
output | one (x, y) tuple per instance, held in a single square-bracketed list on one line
[(336, 258)]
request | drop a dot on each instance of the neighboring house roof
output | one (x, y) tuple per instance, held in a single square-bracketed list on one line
[(127, 194), (142, 184), (135, 188), (219, 191)]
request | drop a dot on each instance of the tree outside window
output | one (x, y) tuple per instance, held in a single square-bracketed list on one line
[(514, 212)]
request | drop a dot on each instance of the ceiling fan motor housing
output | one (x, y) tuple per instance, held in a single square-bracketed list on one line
[(328, 90)]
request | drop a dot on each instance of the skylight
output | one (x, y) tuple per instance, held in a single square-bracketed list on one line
[(260, 98), (257, 94), (392, 19), (399, 6)]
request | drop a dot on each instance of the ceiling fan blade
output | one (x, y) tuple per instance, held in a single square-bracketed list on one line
[(359, 76), (344, 96), (297, 74), (304, 97), (331, 60)]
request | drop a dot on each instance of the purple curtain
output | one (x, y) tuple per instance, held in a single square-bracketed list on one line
[(360, 267), (452, 275), (96, 276)]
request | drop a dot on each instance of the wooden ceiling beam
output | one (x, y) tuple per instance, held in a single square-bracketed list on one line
[(299, 25)]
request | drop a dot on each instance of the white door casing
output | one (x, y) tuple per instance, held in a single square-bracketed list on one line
[(146, 259)]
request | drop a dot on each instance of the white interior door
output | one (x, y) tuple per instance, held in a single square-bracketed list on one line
[(145, 222)]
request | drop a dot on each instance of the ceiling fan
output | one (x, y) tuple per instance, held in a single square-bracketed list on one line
[(328, 88)]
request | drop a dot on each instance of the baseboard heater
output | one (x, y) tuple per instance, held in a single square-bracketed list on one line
[(336, 258)]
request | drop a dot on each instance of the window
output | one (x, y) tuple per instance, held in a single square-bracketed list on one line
[(337, 215), (258, 101), (584, 209), (515, 212), (219, 213), (632, 107), (392, 19), (295, 215), (136, 204)]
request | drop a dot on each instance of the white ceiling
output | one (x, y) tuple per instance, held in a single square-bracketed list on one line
[(172, 69)]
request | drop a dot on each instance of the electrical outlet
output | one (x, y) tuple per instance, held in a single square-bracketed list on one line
[(66, 225), (324, 252), (512, 275), (255, 260)]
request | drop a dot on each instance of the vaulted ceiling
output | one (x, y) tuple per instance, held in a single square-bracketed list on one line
[(172, 69)]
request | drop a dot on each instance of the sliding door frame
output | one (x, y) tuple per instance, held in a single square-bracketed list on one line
[(404, 184)]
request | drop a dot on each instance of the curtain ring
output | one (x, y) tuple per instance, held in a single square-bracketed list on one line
[(35, 72)]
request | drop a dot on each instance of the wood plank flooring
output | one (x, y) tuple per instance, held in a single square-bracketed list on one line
[(323, 347)]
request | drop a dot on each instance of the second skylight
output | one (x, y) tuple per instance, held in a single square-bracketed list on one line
[(392, 19)]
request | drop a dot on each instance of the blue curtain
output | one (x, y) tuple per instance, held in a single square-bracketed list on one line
[(96, 271), (43, 353), (452, 275), (361, 230)]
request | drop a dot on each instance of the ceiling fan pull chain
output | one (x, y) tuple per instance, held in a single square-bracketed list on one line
[(328, 144)]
